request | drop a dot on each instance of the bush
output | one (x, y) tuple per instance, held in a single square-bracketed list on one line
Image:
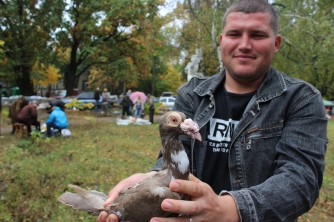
[(79, 105)]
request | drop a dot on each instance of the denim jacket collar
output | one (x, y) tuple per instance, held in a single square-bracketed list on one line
[(263, 94)]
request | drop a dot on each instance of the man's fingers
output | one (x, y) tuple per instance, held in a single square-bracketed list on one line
[(104, 217), (174, 219), (193, 178), (113, 194), (193, 189), (180, 206)]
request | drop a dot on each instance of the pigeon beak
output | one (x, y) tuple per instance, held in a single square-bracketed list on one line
[(195, 135), (191, 128)]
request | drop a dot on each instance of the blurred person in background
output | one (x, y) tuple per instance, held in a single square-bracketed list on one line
[(15, 108), (151, 107), (126, 103), (57, 120), (28, 116)]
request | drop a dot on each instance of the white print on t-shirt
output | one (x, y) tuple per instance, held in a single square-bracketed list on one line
[(219, 147), (220, 134), (221, 130)]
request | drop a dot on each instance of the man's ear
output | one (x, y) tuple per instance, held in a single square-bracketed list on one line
[(278, 42), (220, 37)]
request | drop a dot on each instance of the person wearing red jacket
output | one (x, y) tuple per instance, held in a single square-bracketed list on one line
[(28, 116)]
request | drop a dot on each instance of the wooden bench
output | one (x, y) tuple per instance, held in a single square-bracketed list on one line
[(20, 129)]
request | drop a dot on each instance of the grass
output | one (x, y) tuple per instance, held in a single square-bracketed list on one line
[(34, 173)]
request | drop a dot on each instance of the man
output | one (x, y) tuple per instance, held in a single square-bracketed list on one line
[(28, 116), (126, 103), (97, 99), (128, 93), (56, 120), (0, 98), (57, 102), (105, 95), (264, 134), (15, 108), (151, 107)]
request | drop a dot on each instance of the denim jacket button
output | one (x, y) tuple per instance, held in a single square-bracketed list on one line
[(211, 105)]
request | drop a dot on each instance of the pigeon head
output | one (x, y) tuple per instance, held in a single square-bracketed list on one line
[(174, 123)]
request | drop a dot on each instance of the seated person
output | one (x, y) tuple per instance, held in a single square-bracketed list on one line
[(15, 108), (57, 102), (56, 120), (28, 116)]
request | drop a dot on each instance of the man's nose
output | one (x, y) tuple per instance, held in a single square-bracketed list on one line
[(245, 43)]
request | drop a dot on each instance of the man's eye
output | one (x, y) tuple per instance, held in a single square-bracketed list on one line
[(259, 36), (233, 34)]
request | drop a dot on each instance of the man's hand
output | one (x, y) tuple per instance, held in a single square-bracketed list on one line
[(204, 204), (130, 181)]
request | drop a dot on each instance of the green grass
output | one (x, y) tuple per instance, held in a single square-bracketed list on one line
[(34, 173)]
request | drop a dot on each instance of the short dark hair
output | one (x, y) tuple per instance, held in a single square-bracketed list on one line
[(253, 6)]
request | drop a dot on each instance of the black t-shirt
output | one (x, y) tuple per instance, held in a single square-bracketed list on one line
[(229, 110)]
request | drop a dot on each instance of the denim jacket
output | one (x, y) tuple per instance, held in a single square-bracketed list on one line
[(276, 159)]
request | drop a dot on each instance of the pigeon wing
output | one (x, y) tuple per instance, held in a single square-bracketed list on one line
[(91, 201)]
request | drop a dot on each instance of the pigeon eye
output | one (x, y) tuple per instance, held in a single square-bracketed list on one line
[(174, 119)]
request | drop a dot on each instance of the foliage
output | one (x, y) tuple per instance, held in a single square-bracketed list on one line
[(201, 25), (4, 116), (171, 80), (76, 104), (45, 76), (89, 105), (308, 34), (160, 106), (2, 53), (26, 30), (103, 33)]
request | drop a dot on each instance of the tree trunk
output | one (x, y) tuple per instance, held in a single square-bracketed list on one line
[(23, 80), (153, 74), (70, 75), (70, 80)]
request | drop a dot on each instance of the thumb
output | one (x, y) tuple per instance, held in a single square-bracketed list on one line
[(193, 178)]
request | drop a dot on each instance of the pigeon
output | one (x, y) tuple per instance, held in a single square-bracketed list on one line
[(142, 201)]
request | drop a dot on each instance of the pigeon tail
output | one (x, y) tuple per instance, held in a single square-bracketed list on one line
[(91, 201)]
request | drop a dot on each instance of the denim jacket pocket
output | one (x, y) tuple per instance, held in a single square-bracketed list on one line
[(259, 153)]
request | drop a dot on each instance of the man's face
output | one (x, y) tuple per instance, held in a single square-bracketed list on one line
[(248, 45)]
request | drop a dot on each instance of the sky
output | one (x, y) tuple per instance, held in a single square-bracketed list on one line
[(168, 7)]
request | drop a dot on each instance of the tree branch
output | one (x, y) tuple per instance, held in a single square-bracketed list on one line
[(195, 15)]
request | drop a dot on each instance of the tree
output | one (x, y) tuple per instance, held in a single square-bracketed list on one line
[(98, 34), (170, 81), (45, 76), (308, 33), (201, 23), (25, 29)]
